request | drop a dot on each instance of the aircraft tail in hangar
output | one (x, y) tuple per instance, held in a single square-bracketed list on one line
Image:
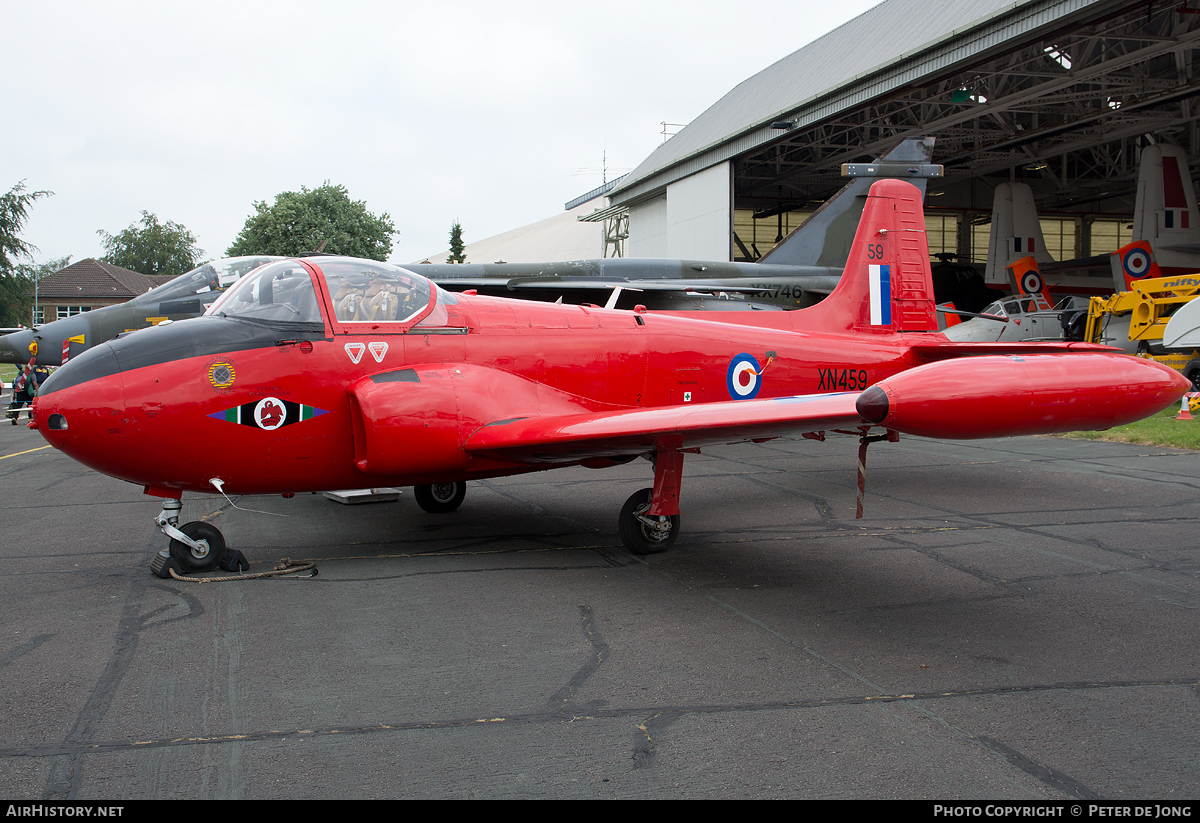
[(1026, 281), (1016, 232), (1165, 213), (825, 238), (1133, 261)]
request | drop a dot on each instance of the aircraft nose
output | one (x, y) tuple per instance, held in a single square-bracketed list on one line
[(14, 348), (80, 409)]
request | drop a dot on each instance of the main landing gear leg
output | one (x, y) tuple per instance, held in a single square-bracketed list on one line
[(196, 547), (649, 521)]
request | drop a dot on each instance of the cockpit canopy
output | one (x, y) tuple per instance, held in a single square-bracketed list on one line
[(209, 279), (364, 292), (359, 291)]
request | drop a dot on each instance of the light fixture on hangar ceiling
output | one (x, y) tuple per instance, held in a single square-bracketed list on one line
[(967, 96), (784, 125)]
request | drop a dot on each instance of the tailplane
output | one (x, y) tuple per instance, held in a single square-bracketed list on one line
[(1165, 211)]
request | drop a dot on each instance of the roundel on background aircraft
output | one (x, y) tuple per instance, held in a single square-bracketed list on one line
[(1136, 263), (1032, 283), (744, 377)]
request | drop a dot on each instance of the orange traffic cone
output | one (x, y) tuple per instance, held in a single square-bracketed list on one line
[(1185, 410)]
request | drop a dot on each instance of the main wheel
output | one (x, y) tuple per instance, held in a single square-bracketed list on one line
[(205, 558), (440, 498), (650, 535)]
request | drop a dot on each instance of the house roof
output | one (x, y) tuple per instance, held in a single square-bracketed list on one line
[(95, 279)]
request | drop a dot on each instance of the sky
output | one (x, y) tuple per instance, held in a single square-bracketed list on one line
[(492, 114)]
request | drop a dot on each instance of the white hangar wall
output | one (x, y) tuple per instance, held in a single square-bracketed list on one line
[(694, 220)]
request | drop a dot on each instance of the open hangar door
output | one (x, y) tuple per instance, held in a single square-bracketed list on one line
[(1066, 111)]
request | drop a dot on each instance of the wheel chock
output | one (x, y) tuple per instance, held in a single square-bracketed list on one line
[(163, 563), (233, 560)]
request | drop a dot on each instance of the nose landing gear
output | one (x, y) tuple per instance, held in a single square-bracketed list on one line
[(196, 547)]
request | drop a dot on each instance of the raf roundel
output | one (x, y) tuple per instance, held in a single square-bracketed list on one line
[(1137, 263), (1032, 283), (744, 378)]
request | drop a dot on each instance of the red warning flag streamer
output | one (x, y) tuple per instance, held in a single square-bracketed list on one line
[(865, 440)]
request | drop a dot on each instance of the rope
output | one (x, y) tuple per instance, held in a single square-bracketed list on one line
[(286, 566)]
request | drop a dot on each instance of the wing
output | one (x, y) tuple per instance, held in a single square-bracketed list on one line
[(571, 438)]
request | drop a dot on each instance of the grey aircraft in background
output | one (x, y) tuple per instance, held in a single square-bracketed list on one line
[(810, 259), (188, 295)]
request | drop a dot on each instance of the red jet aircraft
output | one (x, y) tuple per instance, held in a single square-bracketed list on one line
[(331, 373)]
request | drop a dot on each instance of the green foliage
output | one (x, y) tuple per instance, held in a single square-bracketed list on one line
[(14, 210), (1160, 430), (17, 289), (304, 220), (16, 300), (152, 247), (456, 244)]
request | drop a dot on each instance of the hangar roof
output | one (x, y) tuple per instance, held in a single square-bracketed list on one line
[(898, 70), (876, 38)]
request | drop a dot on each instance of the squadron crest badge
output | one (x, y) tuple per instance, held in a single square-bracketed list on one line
[(221, 374)]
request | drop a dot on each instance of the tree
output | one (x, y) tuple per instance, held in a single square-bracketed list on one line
[(152, 247), (17, 289), (301, 221), (456, 244), (14, 210)]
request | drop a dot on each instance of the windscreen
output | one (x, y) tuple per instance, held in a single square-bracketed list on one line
[(278, 293)]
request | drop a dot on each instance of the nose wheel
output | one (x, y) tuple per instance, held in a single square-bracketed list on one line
[(194, 547), (203, 552)]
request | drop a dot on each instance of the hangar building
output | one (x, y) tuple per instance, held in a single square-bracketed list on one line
[(1058, 94)]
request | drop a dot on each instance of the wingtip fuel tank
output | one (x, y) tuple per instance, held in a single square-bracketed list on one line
[(1002, 396)]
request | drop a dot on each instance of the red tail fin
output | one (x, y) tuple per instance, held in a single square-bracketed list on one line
[(1026, 280), (950, 319), (886, 286), (1133, 261)]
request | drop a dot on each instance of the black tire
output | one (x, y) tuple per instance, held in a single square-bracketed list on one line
[(440, 498), (636, 535), (1192, 372), (213, 546)]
